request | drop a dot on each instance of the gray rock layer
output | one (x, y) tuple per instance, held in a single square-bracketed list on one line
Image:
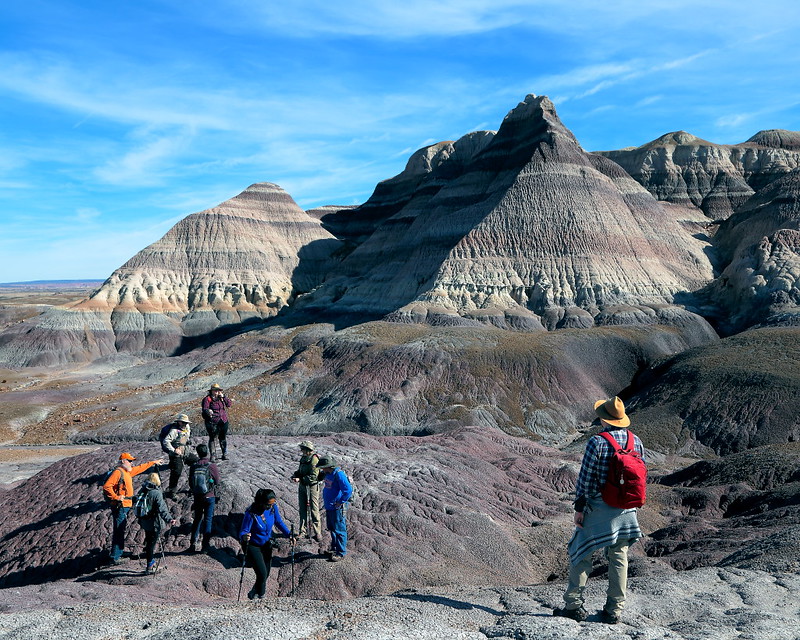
[(240, 261), (525, 220), (759, 248), (686, 170), (696, 605)]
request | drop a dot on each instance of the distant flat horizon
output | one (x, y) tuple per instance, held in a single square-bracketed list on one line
[(61, 283)]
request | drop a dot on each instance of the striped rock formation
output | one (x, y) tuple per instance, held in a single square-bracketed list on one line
[(759, 249), (520, 228), (242, 260), (686, 170)]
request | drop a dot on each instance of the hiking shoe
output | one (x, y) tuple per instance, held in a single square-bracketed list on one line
[(224, 457), (336, 557), (151, 569), (579, 614), (608, 617)]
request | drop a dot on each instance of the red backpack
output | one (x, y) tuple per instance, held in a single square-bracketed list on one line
[(625, 486)]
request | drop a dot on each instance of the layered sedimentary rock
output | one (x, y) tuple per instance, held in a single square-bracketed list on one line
[(686, 170), (759, 248), (522, 220), (244, 259), (426, 171)]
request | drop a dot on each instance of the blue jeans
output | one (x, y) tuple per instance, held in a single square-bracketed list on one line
[(120, 522), (203, 516), (335, 520)]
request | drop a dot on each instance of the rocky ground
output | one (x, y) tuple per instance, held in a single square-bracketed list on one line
[(701, 604), (456, 535)]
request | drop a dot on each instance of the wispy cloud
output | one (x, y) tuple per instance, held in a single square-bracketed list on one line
[(154, 111), (143, 165)]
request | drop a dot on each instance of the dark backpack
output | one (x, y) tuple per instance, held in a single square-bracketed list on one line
[(200, 479), (164, 433), (143, 503), (625, 486)]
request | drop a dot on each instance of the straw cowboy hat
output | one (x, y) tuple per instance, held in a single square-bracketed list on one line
[(612, 411)]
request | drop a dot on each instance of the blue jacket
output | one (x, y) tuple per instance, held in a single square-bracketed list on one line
[(337, 489), (259, 525)]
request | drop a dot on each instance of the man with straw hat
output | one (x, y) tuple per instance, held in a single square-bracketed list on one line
[(597, 524)]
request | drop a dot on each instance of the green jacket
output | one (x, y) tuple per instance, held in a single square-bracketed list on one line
[(307, 472)]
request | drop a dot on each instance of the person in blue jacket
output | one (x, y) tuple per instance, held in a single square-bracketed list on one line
[(255, 535), (335, 494)]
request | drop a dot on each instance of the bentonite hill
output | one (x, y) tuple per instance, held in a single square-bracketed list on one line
[(445, 340)]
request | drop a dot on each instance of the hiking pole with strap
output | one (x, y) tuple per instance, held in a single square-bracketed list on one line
[(161, 548), (309, 521), (244, 562), (292, 553)]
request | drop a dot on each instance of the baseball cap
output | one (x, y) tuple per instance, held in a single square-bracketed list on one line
[(126, 456)]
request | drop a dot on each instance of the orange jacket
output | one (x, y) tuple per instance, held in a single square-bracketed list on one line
[(119, 486)]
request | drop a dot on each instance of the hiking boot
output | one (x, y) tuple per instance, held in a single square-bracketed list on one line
[(336, 557), (579, 614), (192, 548), (151, 569), (608, 617), (224, 456)]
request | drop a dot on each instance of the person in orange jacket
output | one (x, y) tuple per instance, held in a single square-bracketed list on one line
[(118, 490)]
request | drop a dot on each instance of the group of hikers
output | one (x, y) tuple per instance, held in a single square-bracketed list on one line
[(317, 477), (609, 489)]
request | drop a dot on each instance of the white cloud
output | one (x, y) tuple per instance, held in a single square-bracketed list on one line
[(143, 165), (648, 101)]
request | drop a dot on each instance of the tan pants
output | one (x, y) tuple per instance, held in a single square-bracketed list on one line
[(308, 499), (617, 556)]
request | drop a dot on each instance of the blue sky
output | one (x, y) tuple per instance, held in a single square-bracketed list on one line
[(119, 118)]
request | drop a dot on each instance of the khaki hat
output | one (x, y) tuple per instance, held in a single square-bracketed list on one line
[(183, 418), (326, 462), (126, 456), (612, 411), (215, 387), (307, 444)]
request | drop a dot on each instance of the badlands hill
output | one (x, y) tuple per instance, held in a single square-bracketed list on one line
[(689, 171), (520, 229), (238, 262), (446, 339)]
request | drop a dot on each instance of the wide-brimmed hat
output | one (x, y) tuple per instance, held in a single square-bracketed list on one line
[(307, 444), (215, 387), (183, 418), (126, 456), (325, 462), (612, 411)]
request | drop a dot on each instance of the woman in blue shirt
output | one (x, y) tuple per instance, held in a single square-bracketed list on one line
[(256, 537)]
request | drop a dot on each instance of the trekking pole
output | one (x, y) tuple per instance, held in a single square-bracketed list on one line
[(308, 512), (292, 553), (161, 548), (241, 577)]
